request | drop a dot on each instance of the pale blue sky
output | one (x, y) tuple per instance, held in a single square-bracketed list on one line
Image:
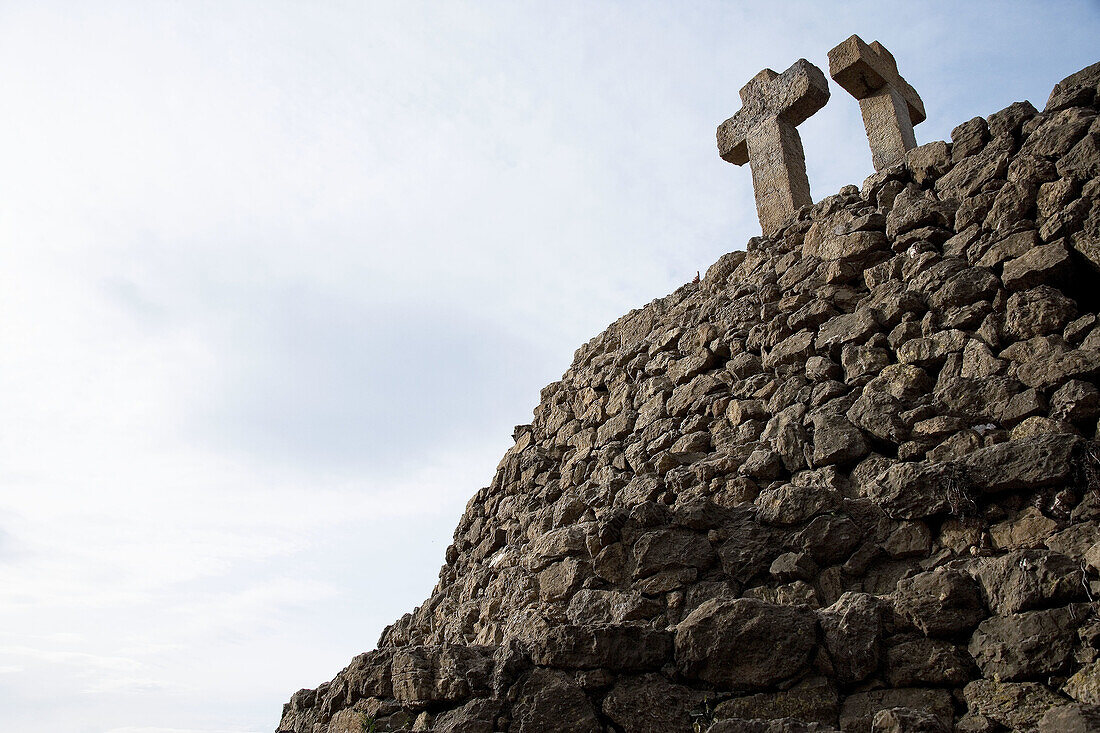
[(278, 279)]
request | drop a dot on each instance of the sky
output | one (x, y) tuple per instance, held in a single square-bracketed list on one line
[(278, 279)]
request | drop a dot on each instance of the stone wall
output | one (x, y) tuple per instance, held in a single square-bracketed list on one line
[(848, 481)]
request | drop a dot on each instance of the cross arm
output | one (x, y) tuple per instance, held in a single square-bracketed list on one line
[(863, 69), (792, 96)]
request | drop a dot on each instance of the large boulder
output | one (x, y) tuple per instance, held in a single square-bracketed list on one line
[(1015, 705), (858, 713), (630, 647), (651, 702), (1028, 463), (1027, 579), (549, 699), (942, 602), (744, 643), (1022, 646), (852, 632)]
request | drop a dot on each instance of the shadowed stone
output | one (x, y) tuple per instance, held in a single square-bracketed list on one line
[(889, 105), (763, 133)]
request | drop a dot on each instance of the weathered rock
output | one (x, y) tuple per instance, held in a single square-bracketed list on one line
[(940, 603), (814, 474), (852, 630), (878, 414), (1076, 90), (919, 661), (749, 550), (783, 725), (792, 504), (836, 440), (476, 716), (1017, 705), (1053, 369), (548, 699), (629, 647), (859, 710), (1028, 530), (594, 607), (1084, 685), (651, 702), (1029, 463), (829, 538), (1071, 719), (744, 643), (1038, 312), (1027, 579), (889, 105), (1076, 401), (914, 208), (764, 134), (1023, 646), (916, 490), (445, 673), (813, 700), (907, 720), (671, 549), (1048, 263), (968, 138)]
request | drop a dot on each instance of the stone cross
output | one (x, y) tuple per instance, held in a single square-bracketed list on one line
[(763, 133), (889, 105)]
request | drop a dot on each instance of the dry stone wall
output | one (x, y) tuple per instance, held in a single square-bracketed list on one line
[(848, 481)]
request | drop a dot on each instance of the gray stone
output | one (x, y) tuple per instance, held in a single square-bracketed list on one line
[(628, 647), (889, 105), (671, 549), (764, 134), (852, 630), (1044, 264), (1022, 646), (1028, 463), (919, 661), (914, 490), (476, 716), (940, 603), (907, 720), (1071, 719), (968, 138), (813, 700), (651, 702), (859, 710), (783, 725), (549, 699), (1016, 705), (1038, 312), (1076, 90), (1027, 579), (443, 673), (744, 643), (836, 440), (1084, 685), (1054, 369)]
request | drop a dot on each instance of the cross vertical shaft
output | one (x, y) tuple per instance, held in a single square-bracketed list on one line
[(778, 165)]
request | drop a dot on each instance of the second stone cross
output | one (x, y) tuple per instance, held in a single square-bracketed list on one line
[(764, 135), (889, 105)]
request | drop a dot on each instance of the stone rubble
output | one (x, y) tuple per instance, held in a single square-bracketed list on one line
[(848, 481)]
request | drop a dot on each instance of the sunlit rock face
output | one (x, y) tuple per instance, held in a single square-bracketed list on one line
[(848, 481)]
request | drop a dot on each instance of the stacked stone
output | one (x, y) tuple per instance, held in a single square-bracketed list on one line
[(850, 480)]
